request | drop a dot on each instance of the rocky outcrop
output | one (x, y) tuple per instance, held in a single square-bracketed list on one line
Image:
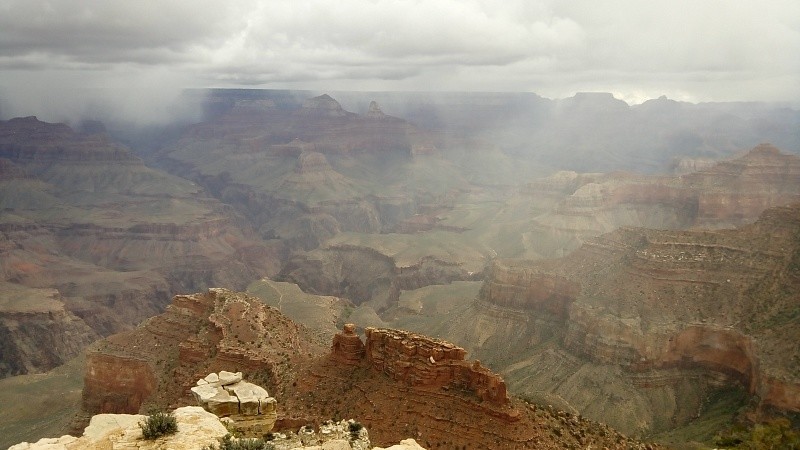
[(374, 111), (159, 362), (421, 361), (422, 387), (323, 105), (196, 428), (248, 407), (418, 360), (347, 347)]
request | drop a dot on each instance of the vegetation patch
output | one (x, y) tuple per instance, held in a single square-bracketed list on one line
[(775, 434), (157, 424)]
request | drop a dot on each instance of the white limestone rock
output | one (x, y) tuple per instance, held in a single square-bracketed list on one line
[(204, 393), (223, 404), (250, 395), (268, 406), (405, 444), (335, 444), (226, 378), (196, 428), (212, 378)]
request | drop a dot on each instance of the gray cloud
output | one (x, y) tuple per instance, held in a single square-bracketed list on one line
[(689, 50)]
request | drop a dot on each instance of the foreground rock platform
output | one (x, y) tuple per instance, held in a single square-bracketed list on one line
[(198, 429)]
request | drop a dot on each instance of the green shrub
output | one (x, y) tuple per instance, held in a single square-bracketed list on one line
[(774, 434), (157, 424), (355, 429), (228, 443)]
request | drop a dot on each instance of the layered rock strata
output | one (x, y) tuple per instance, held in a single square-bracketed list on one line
[(726, 194), (347, 347), (420, 361), (84, 217), (37, 330), (664, 307)]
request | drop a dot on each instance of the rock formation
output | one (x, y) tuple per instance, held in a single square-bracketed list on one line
[(200, 429), (347, 347), (650, 309), (196, 428), (249, 408), (323, 105), (37, 330), (375, 111), (401, 384), (418, 360), (421, 361), (159, 362)]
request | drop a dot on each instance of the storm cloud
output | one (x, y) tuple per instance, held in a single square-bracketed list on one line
[(146, 51)]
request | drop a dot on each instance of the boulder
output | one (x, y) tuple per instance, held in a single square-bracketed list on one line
[(249, 395), (212, 378), (226, 378), (204, 393), (223, 404)]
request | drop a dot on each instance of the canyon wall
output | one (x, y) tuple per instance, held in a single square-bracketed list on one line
[(658, 308), (729, 193), (114, 238), (421, 361), (364, 275), (37, 331)]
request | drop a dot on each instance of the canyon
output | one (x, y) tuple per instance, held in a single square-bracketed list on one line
[(398, 384), (92, 242), (665, 319), (388, 211)]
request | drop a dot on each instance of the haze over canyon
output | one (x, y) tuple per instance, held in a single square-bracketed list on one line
[(609, 265)]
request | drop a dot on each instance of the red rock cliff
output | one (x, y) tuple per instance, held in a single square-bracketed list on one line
[(418, 360), (158, 362)]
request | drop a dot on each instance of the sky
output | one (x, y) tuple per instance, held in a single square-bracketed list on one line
[(61, 57)]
